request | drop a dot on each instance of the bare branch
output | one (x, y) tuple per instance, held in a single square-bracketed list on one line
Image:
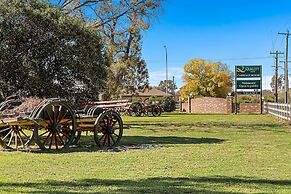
[(82, 4)]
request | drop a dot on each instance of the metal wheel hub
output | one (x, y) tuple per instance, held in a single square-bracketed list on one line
[(110, 130), (55, 127)]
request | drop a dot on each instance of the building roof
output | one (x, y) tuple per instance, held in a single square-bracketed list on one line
[(148, 93)]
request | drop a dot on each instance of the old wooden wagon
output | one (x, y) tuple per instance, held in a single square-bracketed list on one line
[(53, 124)]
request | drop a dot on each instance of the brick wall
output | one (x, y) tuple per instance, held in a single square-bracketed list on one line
[(249, 107), (217, 105), (209, 105), (184, 107)]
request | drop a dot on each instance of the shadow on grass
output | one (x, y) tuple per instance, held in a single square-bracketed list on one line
[(135, 140), (132, 142), (278, 128), (199, 124), (211, 185)]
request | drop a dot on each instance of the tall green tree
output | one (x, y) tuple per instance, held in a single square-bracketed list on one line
[(205, 78), (47, 53), (120, 23)]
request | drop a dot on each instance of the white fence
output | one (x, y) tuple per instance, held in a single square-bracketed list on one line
[(282, 111)]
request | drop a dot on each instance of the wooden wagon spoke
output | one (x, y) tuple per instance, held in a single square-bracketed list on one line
[(15, 140), (64, 134), (112, 139), (56, 142), (66, 129), (111, 122), (44, 133), (51, 142), (62, 117), (20, 138), (51, 120), (6, 129), (102, 137), (62, 141), (8, 134), (24, 134), (109, 117), (11, 137), (108, 139), (116, 135), (104, 140), (59, 112), (54, 114), (65, 122), (47, 138), (108, 122), (102, 126), (114, 122)]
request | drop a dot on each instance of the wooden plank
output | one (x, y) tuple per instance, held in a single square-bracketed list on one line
[(10, 122), (86, 120), (87, 125), (111, 102), (112, 105)]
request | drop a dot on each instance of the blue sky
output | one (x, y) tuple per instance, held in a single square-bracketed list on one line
[(234, 32)]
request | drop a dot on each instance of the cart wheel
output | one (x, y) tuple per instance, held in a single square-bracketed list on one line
[(15, 137), (156, 111), (108, 129), (135, 109), (56, 126)]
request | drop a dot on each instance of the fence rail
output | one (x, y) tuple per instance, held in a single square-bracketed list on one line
[(280, 110)]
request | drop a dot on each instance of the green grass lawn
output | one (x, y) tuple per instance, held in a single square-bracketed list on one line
[(174, 153)]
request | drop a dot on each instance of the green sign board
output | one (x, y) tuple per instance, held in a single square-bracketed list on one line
[(248, 84), (248, 71)]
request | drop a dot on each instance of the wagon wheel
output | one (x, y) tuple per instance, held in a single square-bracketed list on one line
[(156, 111), (108, 129), (56, 126), (135, 109), (15, 137)]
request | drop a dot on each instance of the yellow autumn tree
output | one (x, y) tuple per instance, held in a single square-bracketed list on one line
[(205, 78)]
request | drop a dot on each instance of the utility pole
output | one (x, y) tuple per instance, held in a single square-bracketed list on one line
[(286, 80), (277, 53), (166, 69)]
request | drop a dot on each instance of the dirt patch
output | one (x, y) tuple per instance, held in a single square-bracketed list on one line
[(122, 148)]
